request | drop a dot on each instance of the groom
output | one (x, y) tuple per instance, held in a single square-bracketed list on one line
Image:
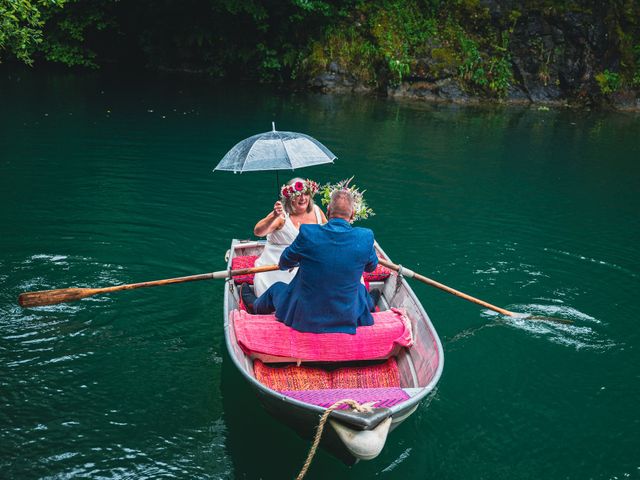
[(326, 294)]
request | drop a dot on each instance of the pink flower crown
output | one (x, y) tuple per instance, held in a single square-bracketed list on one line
[(298, 188)]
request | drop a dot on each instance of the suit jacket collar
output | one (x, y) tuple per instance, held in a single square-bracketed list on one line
[(338, 224)]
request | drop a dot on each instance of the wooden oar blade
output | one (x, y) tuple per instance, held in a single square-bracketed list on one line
[(52, 297)]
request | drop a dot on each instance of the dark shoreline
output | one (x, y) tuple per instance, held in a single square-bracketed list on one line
[(430, 93)]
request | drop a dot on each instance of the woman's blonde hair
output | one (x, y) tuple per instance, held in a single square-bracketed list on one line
[(287, 201)]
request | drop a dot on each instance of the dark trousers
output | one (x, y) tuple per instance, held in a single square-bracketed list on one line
[(269, 300)]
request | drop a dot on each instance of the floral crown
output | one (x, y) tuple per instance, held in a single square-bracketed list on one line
[(360, 207), (298, 188)]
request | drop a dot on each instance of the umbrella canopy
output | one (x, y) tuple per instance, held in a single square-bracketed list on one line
[(275, 151)]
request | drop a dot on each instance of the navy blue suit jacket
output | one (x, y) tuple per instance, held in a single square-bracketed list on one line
[(326, 294)]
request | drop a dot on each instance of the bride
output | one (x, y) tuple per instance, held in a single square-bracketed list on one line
[(281, 225)]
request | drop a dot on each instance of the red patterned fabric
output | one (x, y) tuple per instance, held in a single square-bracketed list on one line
[(243, 262), (378, 275), (372, 376), (264, 337), (293, 377)]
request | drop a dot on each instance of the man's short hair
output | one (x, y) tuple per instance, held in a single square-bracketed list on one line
[(341, 204)]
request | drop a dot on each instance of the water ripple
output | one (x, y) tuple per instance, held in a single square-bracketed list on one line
[(401, 458), (593, 260), (576, 335)]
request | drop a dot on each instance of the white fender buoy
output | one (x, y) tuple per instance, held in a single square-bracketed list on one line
[(363, 444)]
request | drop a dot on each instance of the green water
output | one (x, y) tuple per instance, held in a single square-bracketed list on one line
[(107, 180)]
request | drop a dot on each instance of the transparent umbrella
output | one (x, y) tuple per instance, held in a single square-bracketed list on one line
[(275, 151)]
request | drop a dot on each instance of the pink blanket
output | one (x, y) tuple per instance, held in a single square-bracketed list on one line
[(264, 337), (380, 397)]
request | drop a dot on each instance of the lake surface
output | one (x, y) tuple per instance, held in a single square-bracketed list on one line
[(107, 180)]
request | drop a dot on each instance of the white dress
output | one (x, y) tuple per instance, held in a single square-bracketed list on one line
[(277, 241)]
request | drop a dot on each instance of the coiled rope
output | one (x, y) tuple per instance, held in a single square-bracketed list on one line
[(316, 440)]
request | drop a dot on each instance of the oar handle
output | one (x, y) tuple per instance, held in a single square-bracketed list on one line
[(63, 295), (411, 274)]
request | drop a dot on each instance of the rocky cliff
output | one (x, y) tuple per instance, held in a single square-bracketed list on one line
[(584, 55)]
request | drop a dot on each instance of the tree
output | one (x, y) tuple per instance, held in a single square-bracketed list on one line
[(21, 23)]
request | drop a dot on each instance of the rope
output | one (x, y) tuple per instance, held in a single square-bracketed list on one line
[(398, 281), (316, 441)]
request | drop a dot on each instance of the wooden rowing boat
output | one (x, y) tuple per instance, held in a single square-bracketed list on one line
[(350, 436)]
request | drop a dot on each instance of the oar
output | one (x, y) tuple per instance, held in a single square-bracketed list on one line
[(62, 295), (411, 274)]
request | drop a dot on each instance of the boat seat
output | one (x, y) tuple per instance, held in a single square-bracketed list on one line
[(293, 377), (265, 338), (248, 261), (378, 397), (378, 384)]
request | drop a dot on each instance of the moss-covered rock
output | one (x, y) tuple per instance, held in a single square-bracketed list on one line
[(541, 52)]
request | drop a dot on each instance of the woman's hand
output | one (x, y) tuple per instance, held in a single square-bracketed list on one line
[(273, 221), (278, 209)]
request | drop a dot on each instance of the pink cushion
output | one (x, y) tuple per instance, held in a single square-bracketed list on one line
[(243, 262), (264, 337), (378, 275)]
